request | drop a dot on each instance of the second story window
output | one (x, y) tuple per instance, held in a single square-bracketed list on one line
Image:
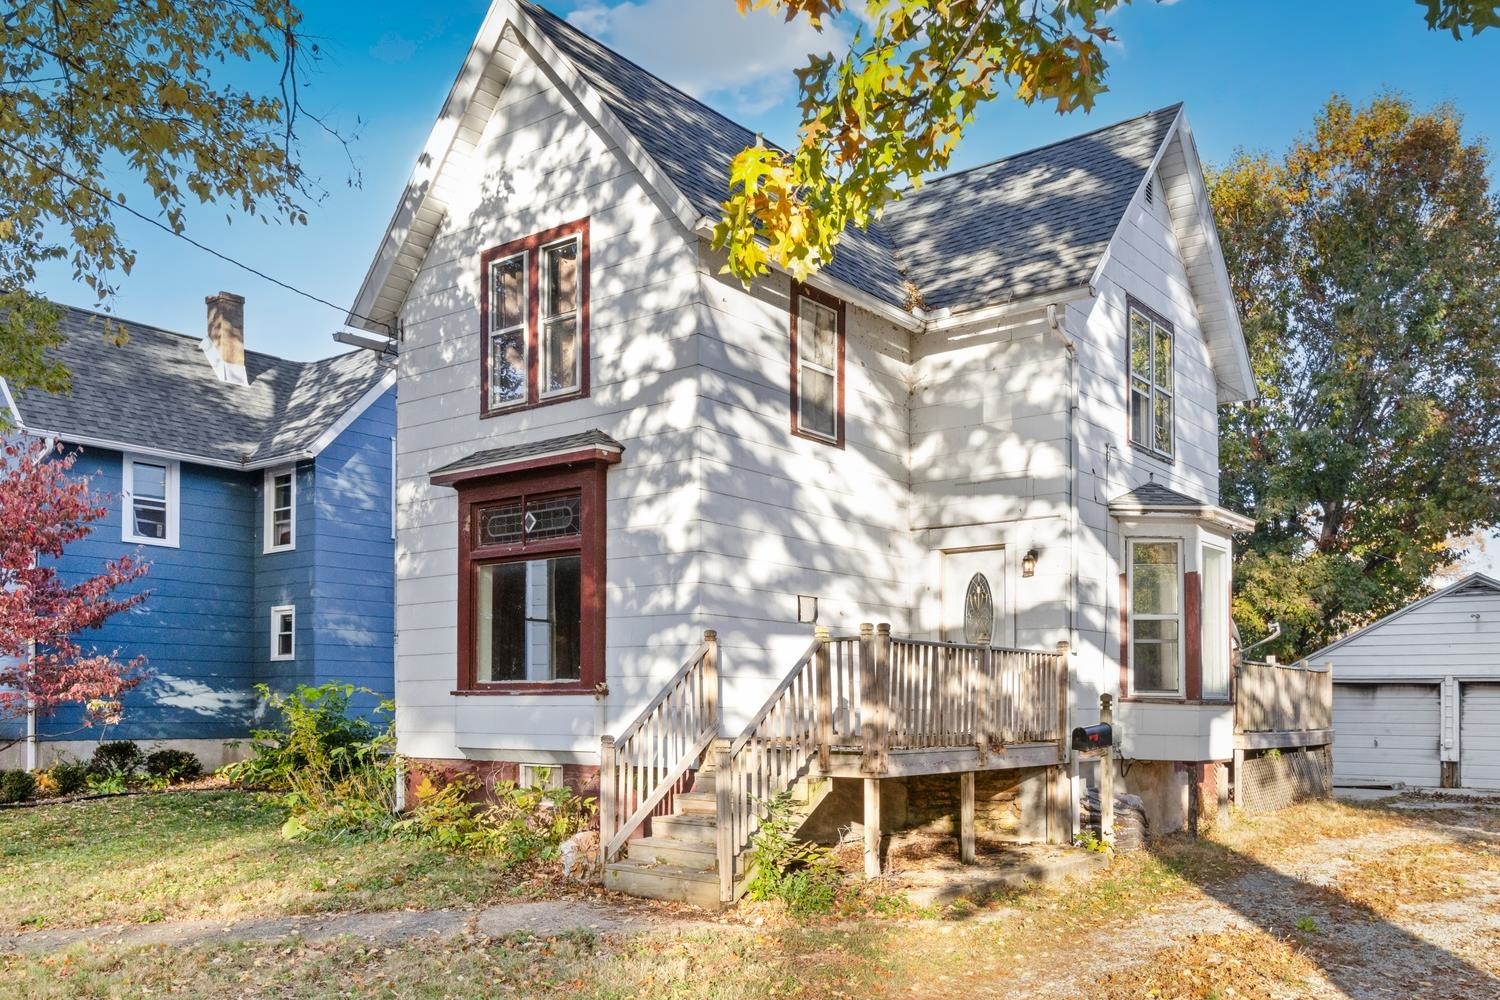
[(284, 632), (150, 501), (281, 509), (817, 375), (534, 306), (1151, 393)]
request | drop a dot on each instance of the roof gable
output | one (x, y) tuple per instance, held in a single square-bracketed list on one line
[(1474, 583), (1030, 224), (158, 393)]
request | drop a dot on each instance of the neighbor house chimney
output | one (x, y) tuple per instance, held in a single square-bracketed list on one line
[(225, 343)]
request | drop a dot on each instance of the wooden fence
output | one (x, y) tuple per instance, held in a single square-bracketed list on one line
[(1277, 697)]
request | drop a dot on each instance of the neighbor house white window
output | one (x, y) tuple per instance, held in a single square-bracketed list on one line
[(1151, 393), (1215, 629), (1155, 618), (817, 374), (283, 632), (281, 509), (150, 505)]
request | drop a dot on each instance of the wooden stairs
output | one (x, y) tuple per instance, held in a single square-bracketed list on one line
[(679, 861)]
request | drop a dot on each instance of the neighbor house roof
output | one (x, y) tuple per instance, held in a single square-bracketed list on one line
[(1031, 224), (157, 392)]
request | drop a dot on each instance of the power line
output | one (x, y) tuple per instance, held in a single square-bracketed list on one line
[(59, 171)]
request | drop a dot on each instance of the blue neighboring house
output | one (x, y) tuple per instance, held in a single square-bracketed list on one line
[(261, 492)]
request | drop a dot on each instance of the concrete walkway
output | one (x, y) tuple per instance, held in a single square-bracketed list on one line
[(543, 919)]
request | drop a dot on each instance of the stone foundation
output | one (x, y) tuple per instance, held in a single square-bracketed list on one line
[(583, 779)]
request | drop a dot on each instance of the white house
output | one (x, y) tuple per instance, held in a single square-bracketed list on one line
[(991, 421), (1416, 695)]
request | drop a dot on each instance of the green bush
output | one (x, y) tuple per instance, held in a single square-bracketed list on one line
[(519, 824), (69, 776), (173, 766), (314, 731), (800, 874), (120, 758), (335, 773), (16, 786)]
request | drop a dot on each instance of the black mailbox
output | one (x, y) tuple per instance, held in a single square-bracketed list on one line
[(1093, 737)]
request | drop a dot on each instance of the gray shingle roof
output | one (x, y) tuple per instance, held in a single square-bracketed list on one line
[(159, 392), (1024, 225), (1156, 495), (531, 449), (1031, 223)]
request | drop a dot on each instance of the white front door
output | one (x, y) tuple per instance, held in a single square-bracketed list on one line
[(974, 597)]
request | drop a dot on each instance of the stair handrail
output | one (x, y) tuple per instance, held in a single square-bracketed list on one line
[(762, 763), (640, 768)]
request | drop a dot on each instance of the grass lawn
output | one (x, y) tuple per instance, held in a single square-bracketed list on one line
[(1160, 924), (217, 855)]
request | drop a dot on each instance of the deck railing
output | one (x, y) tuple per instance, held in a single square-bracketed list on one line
[(639, 771), (1280, 697)]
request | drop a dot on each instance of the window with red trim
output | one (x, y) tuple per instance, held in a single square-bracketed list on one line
[(531, 581), (817, 376), (534, 313)]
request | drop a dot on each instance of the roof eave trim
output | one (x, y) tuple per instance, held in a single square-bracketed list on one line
[(597, 454), (1222, 516), (1161, 150), (353, 413), (135, 448), (1026, 303), (429, 163), (9, 401)]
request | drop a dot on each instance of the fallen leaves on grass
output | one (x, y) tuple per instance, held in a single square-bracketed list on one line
[(1230, 965)]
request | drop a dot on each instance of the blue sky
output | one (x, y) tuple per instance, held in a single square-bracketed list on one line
[(1252, 75)]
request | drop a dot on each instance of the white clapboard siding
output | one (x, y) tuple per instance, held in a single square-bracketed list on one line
[(1479, 736), (1455, 633), (1385, 734)]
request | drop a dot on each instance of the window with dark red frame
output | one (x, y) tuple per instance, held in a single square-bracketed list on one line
[(534, 314), (817, 376), (531, 580)]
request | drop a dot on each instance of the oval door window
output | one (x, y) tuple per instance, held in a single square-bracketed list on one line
[(979, 611)]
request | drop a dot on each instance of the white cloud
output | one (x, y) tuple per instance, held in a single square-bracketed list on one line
[(705, 47)]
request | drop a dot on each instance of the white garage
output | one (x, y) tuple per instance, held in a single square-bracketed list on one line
[(1479, 736), (1386, 733), (1416, 696)]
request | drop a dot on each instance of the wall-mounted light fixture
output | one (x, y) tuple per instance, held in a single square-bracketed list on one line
[(807, 610), (1028, 563)]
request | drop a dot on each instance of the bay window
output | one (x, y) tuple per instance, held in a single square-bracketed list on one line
[(817, 376), (1151, 391), (1215, 630), (1155, 656), (534, 307)]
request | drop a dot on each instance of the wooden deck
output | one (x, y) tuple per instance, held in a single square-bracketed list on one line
[(869, 706)]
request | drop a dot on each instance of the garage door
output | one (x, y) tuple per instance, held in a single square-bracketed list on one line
[(1385, 733), (1479, 737)]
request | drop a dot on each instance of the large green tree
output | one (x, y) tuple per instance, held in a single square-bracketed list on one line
[(111, 106), (893, 107), (1366, 262)]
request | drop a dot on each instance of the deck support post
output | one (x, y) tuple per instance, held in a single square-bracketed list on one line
[(608, 808), (723, 809), (823, 695), (966, 817), (872, 828)]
